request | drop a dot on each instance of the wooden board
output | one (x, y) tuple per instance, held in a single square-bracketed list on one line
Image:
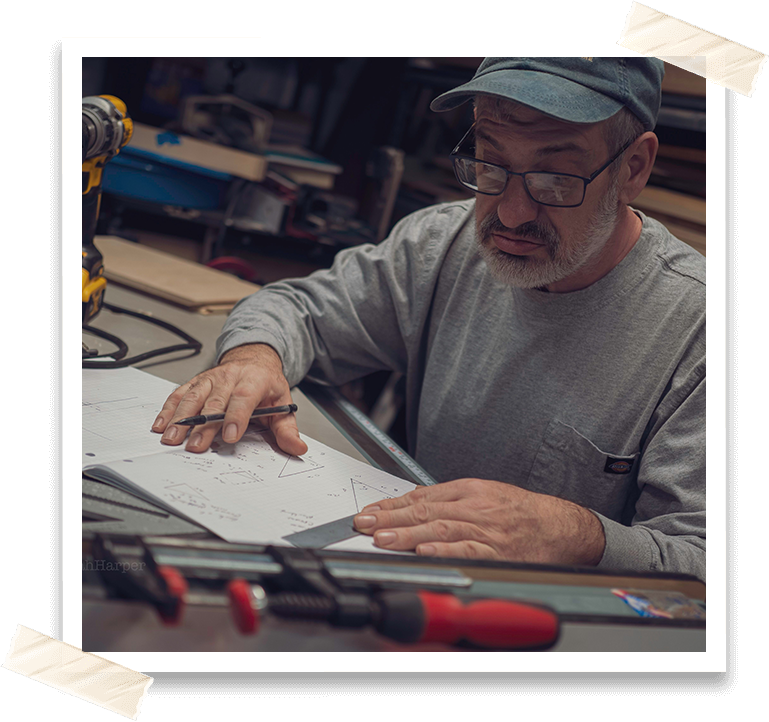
[(186, 283), (670, 203), (202, 153), (693, 155), (683, 215)]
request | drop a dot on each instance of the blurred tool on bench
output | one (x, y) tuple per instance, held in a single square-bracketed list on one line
[(106, 129), (409, 608)]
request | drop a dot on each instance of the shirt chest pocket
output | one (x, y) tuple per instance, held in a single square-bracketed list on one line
[(570, 466)]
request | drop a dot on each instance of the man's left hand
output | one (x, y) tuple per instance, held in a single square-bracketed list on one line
[(481, 519)]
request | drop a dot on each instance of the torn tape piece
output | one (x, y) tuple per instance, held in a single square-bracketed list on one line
[(76, 672), (726, 63)]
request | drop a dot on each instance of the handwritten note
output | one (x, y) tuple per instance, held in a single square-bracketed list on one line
[(251, 491)]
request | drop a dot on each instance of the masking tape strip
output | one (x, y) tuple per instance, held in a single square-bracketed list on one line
[(728, 64), (76, 672)]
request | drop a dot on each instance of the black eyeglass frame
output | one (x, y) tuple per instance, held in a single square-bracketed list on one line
[(455, 155)]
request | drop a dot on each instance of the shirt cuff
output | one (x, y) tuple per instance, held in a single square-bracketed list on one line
[(627, 548), (232, 339)]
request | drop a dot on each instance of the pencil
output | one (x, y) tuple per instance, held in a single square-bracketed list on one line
[(269, 411)]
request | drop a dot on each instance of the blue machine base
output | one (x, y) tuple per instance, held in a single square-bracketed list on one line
[(146, 176)]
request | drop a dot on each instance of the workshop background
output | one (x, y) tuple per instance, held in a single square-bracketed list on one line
[(344, 148)]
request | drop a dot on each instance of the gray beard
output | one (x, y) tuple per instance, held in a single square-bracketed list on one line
[(527, 272)]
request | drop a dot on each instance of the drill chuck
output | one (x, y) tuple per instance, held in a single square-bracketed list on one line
[(104, 128)]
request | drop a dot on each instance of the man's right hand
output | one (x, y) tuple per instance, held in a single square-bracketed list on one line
[(246, 378)]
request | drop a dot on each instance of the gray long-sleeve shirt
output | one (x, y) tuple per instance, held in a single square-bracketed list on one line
[(596, 396)]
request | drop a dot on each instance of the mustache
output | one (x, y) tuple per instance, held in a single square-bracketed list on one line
[(529, 231)]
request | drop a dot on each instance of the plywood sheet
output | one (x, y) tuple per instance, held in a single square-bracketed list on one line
[(169, 277)]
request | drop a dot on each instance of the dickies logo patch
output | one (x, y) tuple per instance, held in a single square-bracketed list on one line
[(618, 466)]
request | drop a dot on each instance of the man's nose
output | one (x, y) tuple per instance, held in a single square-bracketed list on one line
[(515, 207)]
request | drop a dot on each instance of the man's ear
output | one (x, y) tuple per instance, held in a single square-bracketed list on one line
[(638, 164)]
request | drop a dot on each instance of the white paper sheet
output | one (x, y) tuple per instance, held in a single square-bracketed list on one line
[(119, 407)]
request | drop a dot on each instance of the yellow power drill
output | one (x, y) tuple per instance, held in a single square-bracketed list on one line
[(106, 129)]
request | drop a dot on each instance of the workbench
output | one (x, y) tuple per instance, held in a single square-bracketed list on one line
[(592, 619)]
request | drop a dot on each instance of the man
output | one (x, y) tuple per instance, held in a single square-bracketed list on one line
[(552, 338)]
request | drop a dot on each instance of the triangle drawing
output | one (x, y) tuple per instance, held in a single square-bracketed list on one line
[(364, 494), (296, 465)]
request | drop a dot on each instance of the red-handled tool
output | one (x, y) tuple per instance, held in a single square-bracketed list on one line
[(407, 617), (444, 618)]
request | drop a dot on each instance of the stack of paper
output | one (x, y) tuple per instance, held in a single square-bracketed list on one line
[(248, 492)]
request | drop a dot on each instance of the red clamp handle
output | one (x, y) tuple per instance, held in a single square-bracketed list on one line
[(492, 623), (245, 616), (176, 586)]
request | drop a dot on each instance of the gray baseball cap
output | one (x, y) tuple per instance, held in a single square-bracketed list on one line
[(578, 90)]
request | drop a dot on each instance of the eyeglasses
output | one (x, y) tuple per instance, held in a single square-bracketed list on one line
[(562, 190)]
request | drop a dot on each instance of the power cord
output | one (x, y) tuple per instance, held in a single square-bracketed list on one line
[(119, 361)]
